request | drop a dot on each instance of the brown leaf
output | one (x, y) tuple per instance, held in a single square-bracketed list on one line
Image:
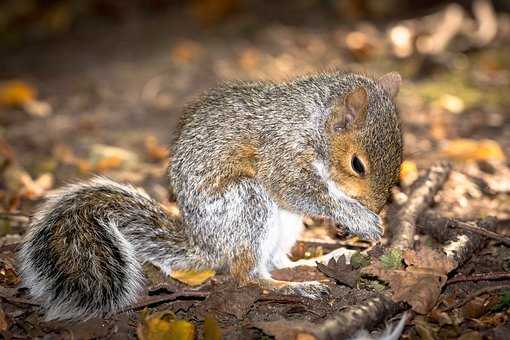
[(420, 283), (4, 325), (429, 258), (340, 271), (211, 329), (155, 151), (240, 301), (8, 274)]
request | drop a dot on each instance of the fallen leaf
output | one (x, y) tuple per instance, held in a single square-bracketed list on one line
[(192, 277), (359, 260), (37, 108), (340, 271), (473, 150), (473, 335), (106, 157), (16, 93), (8, 275), (408, 172), (392, 259), (185, 51), (21, 183), (155, 150), (210, 12), (229, 302), (420, 283), (452, 103), (4, 325), (211, 329), (163, 326)]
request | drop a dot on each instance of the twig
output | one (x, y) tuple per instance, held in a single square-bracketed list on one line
[(480, 277), (18, 300), (460, 247), (14, 217), (475, 294), (345, 324), (365, 315), (480, 231), (403, 225), (167, 298)]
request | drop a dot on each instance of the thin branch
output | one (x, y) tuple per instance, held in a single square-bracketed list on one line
[(166, 298), (17, 217), (460, 247), (475, 294), (469, 226), (480, 277), (426, 187)]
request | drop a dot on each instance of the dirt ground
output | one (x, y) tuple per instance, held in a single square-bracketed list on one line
[(105, 97)]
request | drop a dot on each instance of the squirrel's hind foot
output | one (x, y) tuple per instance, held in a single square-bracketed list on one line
[(309, 289)]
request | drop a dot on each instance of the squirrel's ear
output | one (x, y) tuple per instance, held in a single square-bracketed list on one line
[(390, 83), (352, 111)]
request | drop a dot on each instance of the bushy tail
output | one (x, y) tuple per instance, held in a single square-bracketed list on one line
[(78, 258)]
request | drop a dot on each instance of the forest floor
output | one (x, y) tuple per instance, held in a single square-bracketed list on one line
[(106, 99)]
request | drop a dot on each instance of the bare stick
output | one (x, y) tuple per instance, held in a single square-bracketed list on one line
[(475, 294), (480, 277), (14, 217), (365, 315), (460, 247), (470, 226), (403, 225), (166, 298)]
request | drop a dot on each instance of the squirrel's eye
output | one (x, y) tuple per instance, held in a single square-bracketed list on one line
[(357, 165)]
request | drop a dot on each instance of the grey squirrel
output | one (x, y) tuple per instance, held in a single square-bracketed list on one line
[(249, 159)]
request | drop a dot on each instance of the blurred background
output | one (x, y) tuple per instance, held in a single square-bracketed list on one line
[(90, 86)]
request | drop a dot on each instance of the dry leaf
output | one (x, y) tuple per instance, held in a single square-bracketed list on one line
[(192, 277), (408, 172), (155, 150), (185, 51), (210, 12), (4, 325), (105, 157), (163, 326), (8, 275), (340, 271), (420, 283), (211, 329), (473, 150), (16, 93)]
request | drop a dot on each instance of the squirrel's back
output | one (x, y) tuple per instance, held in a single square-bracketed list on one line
[(77, 259)]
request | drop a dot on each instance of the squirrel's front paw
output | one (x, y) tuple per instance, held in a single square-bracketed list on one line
[(310, 289), (364, 223)]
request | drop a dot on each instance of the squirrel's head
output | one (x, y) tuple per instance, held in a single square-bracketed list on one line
[(366, 139)]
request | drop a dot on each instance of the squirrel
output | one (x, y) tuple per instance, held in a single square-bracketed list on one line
[(248, 161)]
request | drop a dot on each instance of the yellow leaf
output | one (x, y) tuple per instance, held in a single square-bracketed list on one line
[(192, 277), (211, 329), (155, 150), (16, 93), (408, 172), (163, 326), (469, 149)]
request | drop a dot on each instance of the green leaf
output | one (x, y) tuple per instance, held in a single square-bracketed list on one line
[(392, 259), (359, 260)]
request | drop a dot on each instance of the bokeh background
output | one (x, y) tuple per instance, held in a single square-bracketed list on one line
[(90, 86)]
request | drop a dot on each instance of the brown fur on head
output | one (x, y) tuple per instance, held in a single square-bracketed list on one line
[(366, 141)]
